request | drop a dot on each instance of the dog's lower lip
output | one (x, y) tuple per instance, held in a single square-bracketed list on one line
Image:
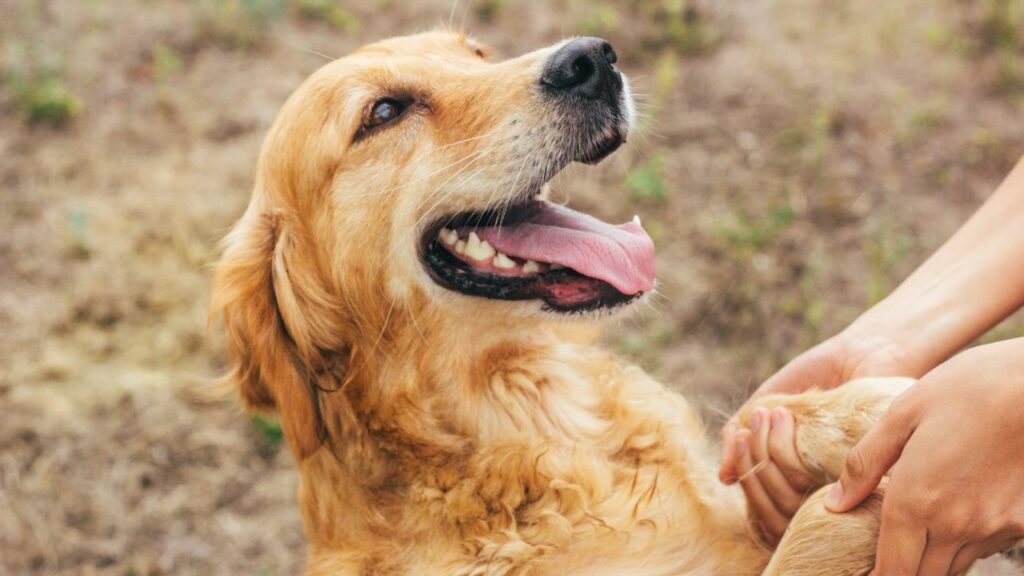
[(603, 148)]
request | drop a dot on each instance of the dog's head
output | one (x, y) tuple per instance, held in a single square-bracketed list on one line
[(411, 175)]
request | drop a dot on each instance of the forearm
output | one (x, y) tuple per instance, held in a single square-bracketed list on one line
[(970, 284)]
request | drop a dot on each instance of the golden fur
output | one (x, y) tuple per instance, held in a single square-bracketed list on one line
[(441, 434)]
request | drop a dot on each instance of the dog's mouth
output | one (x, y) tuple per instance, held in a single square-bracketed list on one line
[(537, 250)]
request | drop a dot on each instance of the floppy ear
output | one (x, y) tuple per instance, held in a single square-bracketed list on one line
[(270, 340)]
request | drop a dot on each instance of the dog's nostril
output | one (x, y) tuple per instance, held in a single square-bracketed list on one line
[(609, 54), (583, 67)]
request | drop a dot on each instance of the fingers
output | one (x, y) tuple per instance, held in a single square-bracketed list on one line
[(963, 559), (727, 469), (773, 522), (782, 447), (785, 497), (870, 459), (938, 558), (901, 546)]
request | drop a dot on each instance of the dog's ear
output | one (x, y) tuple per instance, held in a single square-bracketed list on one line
[(270, 338)]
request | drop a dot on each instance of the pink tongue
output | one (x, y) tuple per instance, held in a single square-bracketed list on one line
[(622, 255)]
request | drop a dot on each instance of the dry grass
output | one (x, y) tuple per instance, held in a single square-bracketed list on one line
[(800, 158)]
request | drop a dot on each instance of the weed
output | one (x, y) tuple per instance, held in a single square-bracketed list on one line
[(687, 29), (647, 183), (329, 11), (488, 10), (44, 98), (601, 21), (237, 24), (884, 250), (166, 63), (271, 434), (749, 235), (78, 234)]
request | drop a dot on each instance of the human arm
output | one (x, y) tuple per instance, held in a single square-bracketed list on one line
[(971, 283)]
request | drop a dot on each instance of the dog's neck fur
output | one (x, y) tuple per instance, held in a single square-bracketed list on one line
[(454, 424)]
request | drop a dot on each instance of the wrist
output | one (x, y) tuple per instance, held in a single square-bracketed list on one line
[(887, 341)]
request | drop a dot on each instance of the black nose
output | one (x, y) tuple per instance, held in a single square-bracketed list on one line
[(584, 67)]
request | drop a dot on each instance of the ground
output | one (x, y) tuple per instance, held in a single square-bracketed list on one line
[(796, 160)]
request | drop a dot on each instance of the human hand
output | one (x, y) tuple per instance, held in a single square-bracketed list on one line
[(764, 458), (956, 492)]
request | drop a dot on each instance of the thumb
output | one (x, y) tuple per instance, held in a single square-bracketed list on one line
[(727, 469), (869, 460)]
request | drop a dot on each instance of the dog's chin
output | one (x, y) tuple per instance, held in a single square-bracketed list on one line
[(528, 250)]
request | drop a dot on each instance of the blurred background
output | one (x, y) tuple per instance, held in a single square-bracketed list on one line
[(797, 158)]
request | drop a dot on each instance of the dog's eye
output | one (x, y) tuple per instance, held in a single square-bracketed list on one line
[(384, 111)]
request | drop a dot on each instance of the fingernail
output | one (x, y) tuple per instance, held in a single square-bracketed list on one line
[(835, 496), (755, 421), (741, 446), (777, 416)]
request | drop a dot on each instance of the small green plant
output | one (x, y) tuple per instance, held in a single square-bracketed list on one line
[(748, 235), (687, 29), (166, 63), (884, 250), (647, 183), (237, 23), (78, 233), (602, 20), (270, 432), (44, 98), (329, 11), (489, 10)]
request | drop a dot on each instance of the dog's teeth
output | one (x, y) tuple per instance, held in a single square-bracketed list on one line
[(460, 246), (557, 266), (636, 219), (448, 236), (530, 267), (479, 250), (502, 261)]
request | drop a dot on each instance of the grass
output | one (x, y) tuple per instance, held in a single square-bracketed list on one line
[(328, 11), (647, 183), (748, 235), (488, 10), (270, 433), (237, 24), (884, 249), (602, 20), (78, 234), (44, 98)]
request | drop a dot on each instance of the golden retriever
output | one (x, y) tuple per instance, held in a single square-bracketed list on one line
[(426, 326)]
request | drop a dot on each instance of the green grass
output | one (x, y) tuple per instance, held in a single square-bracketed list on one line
[(488, 10), (647, 182), (884, 249), (601, 20), (238, 24), (44, 98), (748, 235), (78, 233), (688, 30), (329, 12), (270, 433)]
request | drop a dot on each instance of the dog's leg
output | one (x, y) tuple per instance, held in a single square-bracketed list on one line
[(821, 542), (830, 422)]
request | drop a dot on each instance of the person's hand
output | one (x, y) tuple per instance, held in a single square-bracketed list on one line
[(956, 492), (764, 459)]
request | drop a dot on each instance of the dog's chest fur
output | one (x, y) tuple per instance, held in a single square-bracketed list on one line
[(563, 458)]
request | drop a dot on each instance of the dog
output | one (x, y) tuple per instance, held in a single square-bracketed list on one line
[(426, 325)]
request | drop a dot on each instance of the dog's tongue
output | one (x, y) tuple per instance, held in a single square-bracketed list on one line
[(622, 255)]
